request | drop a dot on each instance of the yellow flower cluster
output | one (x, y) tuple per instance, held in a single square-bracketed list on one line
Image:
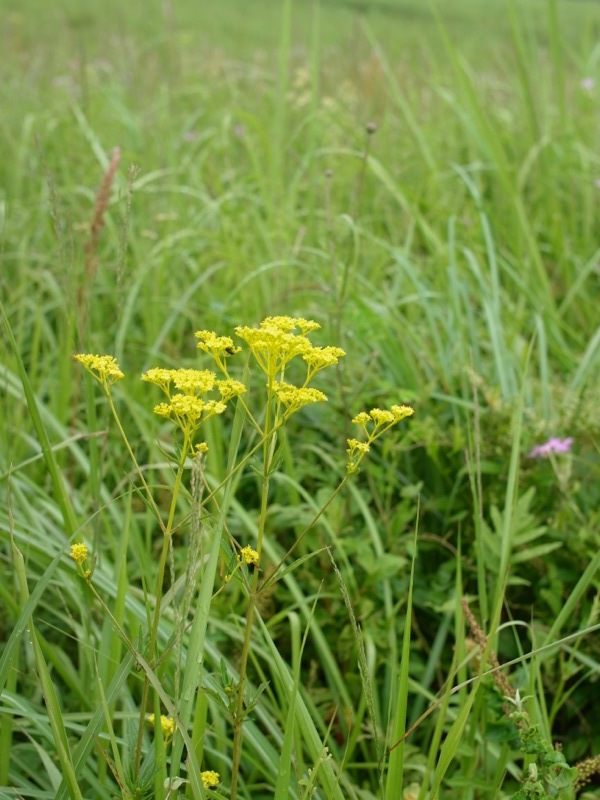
[(229, 389), (188, 408), (249, 555), (294, 398), (219, 347), (210, 779), (104, 369), (374, 424), (318, 358), (79, 553), (167, 725), (273, 344)]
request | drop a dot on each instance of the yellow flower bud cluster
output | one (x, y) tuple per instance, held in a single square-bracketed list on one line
[(79, 553), (374, 424), (249, 555), (294, 397), (188, 408), (274, 344), (104, 369), (167, 725), (210, 779)]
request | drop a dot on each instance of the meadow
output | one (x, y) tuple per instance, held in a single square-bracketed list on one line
[(325, 522)]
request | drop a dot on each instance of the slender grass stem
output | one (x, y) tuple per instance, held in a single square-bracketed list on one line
[(158, 595), (268, 443)]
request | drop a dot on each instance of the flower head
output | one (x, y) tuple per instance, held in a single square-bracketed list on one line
[(219, 347), (167, 725), (188, 411), (317, 358), (79, 553), (210, 779), (104, 369), (194, 381), (551, 447), (249, 555), (273, 346), (288, 324), (160, 377), (374, 424), (230, 388), (294, 397), (189, 408)]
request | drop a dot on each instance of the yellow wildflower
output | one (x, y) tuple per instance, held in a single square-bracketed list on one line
[(374, 424), (210, 779), (356, 451), (288, 324), (201, 448), (160, 377), (192, 381), (381, 416), (167, 725), (318, 358), (216, 346), (188, 411), (249, 555), (294, 398), (377, 418), (272, 347), (79, 553), (400, 412), (229, 389), (104, 369), (163, 410)]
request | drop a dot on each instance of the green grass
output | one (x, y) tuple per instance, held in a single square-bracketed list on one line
[(452, 253)]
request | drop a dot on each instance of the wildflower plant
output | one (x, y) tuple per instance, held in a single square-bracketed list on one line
[(282, 358)]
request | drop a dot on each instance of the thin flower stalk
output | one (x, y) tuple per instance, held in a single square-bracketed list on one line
[(268, 450)]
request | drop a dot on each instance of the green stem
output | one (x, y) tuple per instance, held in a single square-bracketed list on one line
[(274, 576), (133, 458), (238, 721), (158, 595)]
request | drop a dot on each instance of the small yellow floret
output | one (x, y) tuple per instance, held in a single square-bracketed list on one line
[(79, 553), (210, 779), (249, 555), (201, 447)]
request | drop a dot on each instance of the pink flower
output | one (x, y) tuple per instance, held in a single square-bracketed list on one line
[(552, 446), (587, 84)]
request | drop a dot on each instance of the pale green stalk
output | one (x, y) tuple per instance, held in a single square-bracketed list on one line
[(158, 595), (132, 457), (268, 443)]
